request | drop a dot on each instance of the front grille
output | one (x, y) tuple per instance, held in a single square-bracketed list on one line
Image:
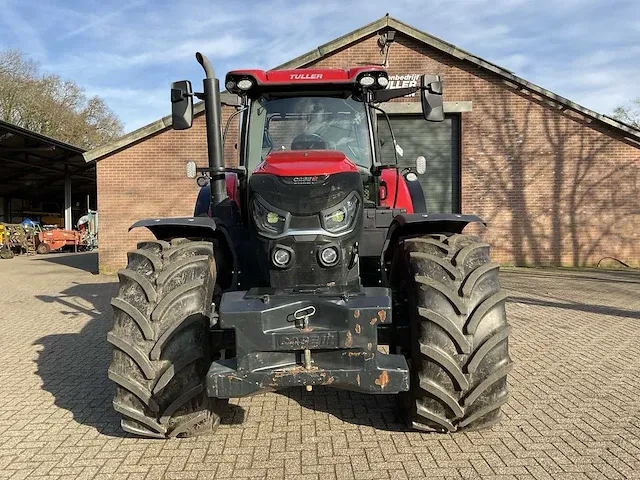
[(305, 200), (304, 223)]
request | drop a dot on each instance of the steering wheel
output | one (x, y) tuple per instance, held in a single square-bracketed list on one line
[(309, 141)]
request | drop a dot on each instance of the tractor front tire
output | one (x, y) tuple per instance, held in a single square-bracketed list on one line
[(160, 339), (458, 351)]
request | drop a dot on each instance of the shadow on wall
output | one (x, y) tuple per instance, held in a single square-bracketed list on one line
[(568, 200)]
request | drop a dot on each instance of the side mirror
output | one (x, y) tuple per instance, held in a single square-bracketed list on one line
[(181, 105), (421, 165), (431, 97)]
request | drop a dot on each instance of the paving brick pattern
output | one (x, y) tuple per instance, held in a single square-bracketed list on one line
[(574, 412)]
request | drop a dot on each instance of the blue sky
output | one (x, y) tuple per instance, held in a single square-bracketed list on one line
[(129, 52)]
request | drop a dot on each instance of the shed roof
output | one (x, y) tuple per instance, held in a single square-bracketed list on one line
[(32, 165), (388, 22)]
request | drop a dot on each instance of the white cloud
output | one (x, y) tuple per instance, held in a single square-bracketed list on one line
[(515, 62), (14, 23), (128, 51)]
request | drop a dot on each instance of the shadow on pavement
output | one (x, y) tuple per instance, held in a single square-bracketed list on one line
[(73, 366), (87, 261), (630, 276)]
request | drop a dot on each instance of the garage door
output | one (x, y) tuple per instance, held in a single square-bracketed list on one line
[(439, 143)]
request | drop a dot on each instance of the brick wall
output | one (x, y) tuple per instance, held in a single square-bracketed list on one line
[(553, 188), (148, 179)]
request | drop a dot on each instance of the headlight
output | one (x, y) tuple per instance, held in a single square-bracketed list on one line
[(383, 81), (281, 257), (329, 256), (342, 217), (267, 220), (367, 81), (245, 84)]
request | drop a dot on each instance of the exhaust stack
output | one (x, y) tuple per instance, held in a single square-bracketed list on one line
[(213, 116)]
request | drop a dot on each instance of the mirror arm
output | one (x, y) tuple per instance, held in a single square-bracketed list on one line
[(240, 171), (377, 168), (381, 96)]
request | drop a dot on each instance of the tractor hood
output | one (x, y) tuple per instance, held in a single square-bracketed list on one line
[(305, 163), (305, 201)]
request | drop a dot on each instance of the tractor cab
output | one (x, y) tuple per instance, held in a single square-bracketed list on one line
[(323, 110), (327, 109)]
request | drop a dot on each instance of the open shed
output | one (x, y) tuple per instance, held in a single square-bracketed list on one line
[(42, 178)]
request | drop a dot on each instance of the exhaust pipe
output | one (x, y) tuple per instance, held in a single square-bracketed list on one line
[(213, 116)]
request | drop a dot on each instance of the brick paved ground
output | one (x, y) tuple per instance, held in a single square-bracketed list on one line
[(574, 410)]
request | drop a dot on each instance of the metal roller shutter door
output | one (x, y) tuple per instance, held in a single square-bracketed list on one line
[(439, 143)]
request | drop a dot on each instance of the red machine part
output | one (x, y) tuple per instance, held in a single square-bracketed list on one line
[(305, 163), (305, 75), (58, 238), (308, 163), (233, 191), (389, 177)]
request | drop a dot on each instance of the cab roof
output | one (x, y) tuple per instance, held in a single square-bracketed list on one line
[(294, 78)]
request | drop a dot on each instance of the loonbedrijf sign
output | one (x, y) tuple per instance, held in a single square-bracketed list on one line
[(403, 81)]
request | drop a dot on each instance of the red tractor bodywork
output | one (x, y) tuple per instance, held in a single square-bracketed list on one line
[(403, 200), (322, 76), (304, 163)]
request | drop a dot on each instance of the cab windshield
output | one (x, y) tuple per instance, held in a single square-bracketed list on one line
[(308, 123)]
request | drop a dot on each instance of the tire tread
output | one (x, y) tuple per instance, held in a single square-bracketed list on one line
[(459, 357), (162, 314)]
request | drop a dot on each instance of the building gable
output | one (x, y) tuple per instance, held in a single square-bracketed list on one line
[(386, 23)]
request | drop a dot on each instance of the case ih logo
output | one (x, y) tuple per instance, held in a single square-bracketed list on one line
[(305, 76), (305, 180)]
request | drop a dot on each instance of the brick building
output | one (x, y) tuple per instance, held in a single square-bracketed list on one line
[(557, 183)]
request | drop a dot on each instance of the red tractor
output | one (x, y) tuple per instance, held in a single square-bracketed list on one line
[(311, 263)]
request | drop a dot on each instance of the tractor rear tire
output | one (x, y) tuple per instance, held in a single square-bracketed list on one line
[(43, 248), (160, 339), (459, 354)]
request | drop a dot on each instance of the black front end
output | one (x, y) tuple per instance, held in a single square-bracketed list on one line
[(308, 321), (316, 220)]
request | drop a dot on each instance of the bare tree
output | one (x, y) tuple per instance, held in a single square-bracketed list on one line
[(630, 115), (47, 104)]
